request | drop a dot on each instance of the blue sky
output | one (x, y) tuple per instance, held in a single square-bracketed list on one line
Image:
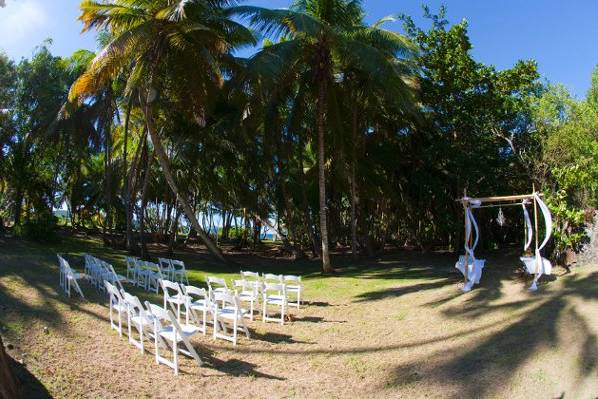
[(562, 36)]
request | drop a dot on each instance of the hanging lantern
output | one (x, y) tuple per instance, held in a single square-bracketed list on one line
[(500, 219)]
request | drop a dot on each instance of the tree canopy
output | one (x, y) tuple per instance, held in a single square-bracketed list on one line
[(335, 134)]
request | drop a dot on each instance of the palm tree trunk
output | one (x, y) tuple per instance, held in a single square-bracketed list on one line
[(322, 109), (165, 165), (126, 195), (354, 198), (148, 168)]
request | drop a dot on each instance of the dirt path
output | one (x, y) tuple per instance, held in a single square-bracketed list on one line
[(395, 327)]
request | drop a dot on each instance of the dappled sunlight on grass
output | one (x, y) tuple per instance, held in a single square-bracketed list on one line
[(392, 326)]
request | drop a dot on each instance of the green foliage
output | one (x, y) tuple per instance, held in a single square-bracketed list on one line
[(41, 228), (407, 123)]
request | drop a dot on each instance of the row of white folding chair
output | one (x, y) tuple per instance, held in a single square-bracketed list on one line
[(174, 270), (148, 275), (223, 305), (154, 322), (292, 283), (269, 294), (98, 271), (68, 277)]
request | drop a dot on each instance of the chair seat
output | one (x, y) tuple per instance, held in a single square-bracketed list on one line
[(144, 321), (275, 299), (186, 329), (247, 296), (199, 305), (178, 300), (293, 288), (120, 308), (229, 313)]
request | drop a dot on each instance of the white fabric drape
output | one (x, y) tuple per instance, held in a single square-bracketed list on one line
[(528, 225)]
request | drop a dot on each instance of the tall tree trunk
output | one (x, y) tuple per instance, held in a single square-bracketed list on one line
[(146, 178), (175, 228), (165, 165), (322, 110), (306, 211), (354, 198), (126, 195)]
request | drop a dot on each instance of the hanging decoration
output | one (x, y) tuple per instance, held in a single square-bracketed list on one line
[(500, 219)]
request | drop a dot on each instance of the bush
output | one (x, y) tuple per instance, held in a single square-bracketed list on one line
[(42, 228)]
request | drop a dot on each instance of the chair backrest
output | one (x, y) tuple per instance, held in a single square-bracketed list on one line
[(164, 264), (170, 285), (115, 296), (229, 298), (274, 287), (131, 262), (246, 275), (273, 277), (216, 281), (192, 292), (289, 278), (134, 304), (246, 285), (154, 268), (195, 291), (157, 312), (177, 265)]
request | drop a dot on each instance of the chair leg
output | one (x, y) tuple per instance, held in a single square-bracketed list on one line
[(205, 329), (215, 326), (175, 352), (235, 332), (264, 312), (251, 310), (156, 345)]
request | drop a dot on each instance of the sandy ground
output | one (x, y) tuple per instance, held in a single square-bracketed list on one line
[(394, 327)]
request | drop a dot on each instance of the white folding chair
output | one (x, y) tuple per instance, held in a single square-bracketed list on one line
[(154, 276), (138, 317), (169, 333), (247, 291), (117, 304), (250, 276), (179, 273), (273, 278), (142, 273), (216, 286), (115, 278), (231, 313), (274, 295), (132, 269), (173, 296), (68, 277), (293, 286), (197, 301), (166, 268)]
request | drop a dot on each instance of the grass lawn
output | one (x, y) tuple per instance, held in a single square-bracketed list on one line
[(397, 326)]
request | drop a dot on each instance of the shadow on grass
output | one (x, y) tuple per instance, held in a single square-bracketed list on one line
[(474, 370), (239, 368), (31, 387)]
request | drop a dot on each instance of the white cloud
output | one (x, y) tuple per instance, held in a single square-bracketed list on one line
[(20, 19)]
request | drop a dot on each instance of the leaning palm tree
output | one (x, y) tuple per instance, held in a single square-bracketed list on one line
[(318, 38), (181, 48)]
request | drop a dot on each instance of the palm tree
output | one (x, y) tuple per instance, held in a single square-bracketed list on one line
[(181, 45), (318, 38)]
